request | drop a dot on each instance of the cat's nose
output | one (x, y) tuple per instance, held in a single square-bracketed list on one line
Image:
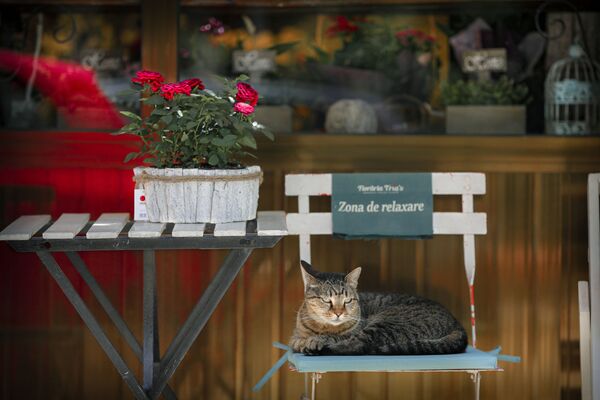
[(338, 313)]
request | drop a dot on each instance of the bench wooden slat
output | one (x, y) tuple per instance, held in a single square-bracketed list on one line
[(271, 223), (142, 229), (444, 223), (311, 224), (448, 183), (24, 227), (108, 226), (231, 229), (188, 230), (308, 184), (67, 226), (443, 183), (456, 223)]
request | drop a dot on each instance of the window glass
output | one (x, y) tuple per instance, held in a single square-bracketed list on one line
[(65, 69), (353, 70)]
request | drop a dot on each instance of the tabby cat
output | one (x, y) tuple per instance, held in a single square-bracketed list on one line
[(336, 319)]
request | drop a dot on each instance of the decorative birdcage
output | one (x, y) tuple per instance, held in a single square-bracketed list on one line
[(572, 105)]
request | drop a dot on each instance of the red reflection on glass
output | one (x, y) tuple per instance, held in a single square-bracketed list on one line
[(72, 88)]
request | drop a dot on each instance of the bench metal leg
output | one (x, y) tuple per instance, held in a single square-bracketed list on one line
[(156, 373), (91, 322), (151, 354), (199, 316), (112, 313)]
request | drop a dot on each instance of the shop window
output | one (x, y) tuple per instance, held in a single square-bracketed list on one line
[(66, 68), (376, 69)]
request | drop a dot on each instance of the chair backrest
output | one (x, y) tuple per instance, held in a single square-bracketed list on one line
[(466, 223)]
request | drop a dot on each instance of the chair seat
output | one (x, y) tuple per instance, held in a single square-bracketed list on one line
[(471, 359)]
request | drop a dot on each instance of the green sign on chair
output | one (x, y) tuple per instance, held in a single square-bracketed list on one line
[(372, 205)]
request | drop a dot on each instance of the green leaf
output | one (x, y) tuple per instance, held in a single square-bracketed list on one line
[(155, 100), (248, 141), (230, 139), (131, 115), (132, 128), (127, 92), (249, 155), (160, 111), (130, 156), (167, 119), (213, 159), (268, 134), (218, 142)]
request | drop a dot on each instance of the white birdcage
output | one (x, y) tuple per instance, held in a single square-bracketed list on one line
[(572, 105)]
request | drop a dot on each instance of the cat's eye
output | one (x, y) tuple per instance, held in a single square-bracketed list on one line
[(348, 301), (328, 301)]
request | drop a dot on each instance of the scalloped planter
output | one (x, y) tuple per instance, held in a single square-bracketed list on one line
[(189, 195)]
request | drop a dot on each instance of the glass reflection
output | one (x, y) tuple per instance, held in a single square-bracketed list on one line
[(63, 70)]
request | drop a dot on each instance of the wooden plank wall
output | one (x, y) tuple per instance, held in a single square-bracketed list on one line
[(526, 281)]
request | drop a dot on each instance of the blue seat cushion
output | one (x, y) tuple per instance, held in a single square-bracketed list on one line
[(471, 359)]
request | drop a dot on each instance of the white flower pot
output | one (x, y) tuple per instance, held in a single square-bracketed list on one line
[(189, 195)]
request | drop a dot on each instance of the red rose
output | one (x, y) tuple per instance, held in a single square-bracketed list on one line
[(342, 25), (154, 79), (169, 90), (243, 108), (194, 82), (246, 94)]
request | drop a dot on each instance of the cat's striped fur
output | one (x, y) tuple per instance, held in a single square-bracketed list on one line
[(336, 319)]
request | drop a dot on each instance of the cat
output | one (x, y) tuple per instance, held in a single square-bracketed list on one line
[(336, 319)]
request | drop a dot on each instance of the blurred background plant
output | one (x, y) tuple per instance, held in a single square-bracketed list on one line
[(399, 58), (320, 58), (504, 91)]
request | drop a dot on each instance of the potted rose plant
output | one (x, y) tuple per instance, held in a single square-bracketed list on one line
[(485, 107), (194, 140)]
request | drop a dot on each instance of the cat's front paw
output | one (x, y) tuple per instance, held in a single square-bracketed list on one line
[(308, 346), (314, 345)]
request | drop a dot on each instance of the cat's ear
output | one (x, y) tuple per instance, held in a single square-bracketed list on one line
[(352, 278), (308, 279)]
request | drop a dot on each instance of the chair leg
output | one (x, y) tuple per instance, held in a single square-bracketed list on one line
[(315, 379), (476, 378), (304, 395)]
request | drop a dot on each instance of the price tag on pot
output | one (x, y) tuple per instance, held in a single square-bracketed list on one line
[(139, 205)]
